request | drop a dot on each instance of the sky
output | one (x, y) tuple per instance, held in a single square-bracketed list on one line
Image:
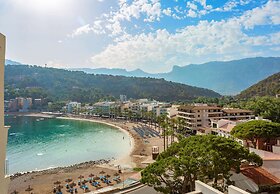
[(152, 35)]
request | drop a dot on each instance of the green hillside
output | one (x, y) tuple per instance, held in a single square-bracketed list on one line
[(267, 87), (59, 84)]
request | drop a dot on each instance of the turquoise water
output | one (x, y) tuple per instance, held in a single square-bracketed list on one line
[(35, 144)]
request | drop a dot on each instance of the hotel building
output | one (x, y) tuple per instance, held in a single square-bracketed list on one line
[(198, 117), (4, 180)]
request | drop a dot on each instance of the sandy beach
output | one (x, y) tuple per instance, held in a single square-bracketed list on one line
[(141, 150)]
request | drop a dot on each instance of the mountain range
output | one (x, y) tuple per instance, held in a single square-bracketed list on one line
[(267, 87), (224, 77), (63, 85)]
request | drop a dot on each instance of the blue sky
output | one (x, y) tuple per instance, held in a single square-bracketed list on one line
[(153, 35)]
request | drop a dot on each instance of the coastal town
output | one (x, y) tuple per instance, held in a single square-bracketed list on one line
[(155, 126), (140, 97)]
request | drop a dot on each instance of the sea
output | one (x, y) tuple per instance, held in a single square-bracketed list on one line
[(36, 143)]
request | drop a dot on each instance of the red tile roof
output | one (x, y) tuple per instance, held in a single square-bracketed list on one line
[(260, 176)]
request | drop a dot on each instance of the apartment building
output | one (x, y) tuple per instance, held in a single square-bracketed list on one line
[(237, 114), (73, 106), (103, 108), (4, 180), (198, 117)]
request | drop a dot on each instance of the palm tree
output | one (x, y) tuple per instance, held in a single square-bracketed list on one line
[(164, 120), (129, 114), (181, 126), (158, 120), (173, 124)]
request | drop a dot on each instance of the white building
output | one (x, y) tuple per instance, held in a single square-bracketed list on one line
[(4, 180), (199, 116), (202, 188), (103, 108), (123, 98), (73, 106)]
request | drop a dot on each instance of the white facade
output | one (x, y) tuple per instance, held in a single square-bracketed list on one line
[(202, 188), (123, 98), (103, 108), (4, 180), (71, 106)]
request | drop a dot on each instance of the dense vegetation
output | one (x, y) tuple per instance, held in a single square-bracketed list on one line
[(225, 77), (58, 84), (207, 158), (254, 130), (267, 107), (267, 87)]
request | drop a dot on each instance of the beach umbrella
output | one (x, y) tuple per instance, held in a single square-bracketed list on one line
[(29, 188), (68, 180), (59, 187), (91, 176), (102, 172), (57, 182), (80, 177), (15, 192), (96, 178), (108, 176), (72, 184)]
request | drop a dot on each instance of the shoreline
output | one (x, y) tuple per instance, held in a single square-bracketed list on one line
[(127, 158), (59, 168), (106, 123), (139, 156)]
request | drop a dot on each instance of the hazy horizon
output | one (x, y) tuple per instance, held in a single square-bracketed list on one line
[(150, 35), (116, 68)]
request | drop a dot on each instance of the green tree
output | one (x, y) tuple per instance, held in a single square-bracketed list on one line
[(257, 129), (268, 107), (207, 158)]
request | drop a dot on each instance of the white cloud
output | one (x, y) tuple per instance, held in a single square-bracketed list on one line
[(96, 28), (167, 11), (268, 14), (192, 5), (192, 13), (81, 30), (206, 41), (204, 4), (111, 23)]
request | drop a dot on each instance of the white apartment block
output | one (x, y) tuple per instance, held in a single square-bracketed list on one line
[(123, 98), (4, 180), (103, 108), (73, 106), (199, 116)]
